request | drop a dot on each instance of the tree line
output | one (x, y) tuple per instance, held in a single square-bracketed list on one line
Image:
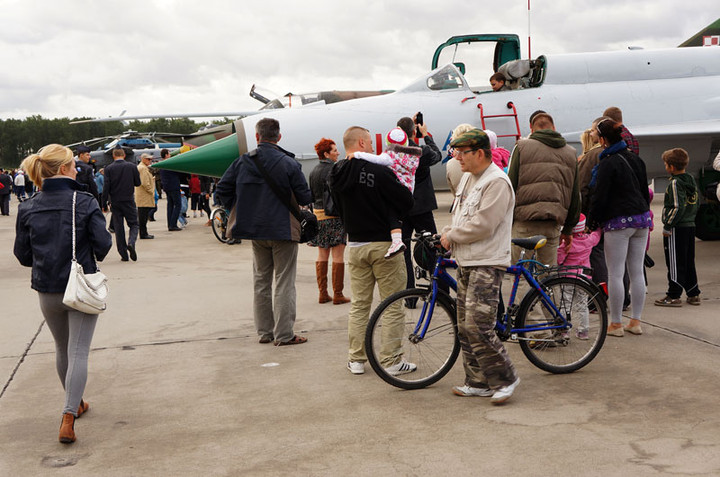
[(21, 137)]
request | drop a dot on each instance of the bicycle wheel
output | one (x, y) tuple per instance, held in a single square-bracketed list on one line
[(567, 349), (434, 354), (218, 219)]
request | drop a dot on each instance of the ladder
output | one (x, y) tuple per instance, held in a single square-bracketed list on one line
[(510, 105)]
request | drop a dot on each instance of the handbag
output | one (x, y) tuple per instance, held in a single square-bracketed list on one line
[(329, 206), (84, 292), (308, 220)]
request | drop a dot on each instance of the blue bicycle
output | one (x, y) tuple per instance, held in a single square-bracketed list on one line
[(560, 323)]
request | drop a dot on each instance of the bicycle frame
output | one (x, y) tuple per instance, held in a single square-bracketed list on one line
[(524, 268), (428, 307)]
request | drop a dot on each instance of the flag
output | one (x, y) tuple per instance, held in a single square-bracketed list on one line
[(713, 40)]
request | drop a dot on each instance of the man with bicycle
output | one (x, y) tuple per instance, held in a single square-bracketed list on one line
[(479, 238)]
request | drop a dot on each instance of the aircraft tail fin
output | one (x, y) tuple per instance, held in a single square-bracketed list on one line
[(709, 36)]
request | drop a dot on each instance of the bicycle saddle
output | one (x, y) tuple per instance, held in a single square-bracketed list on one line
[(530, 243)]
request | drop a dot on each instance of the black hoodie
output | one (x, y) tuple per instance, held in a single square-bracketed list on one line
[(368, 195)]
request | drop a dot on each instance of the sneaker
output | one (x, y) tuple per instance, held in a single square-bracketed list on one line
[(469, 391), (504, 393), (694, 300), (395, 248), (582, 334), (403, 367), (667, 301), (356, 367)]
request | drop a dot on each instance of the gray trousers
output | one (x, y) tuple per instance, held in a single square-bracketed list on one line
[(274, 312), (72, 331)]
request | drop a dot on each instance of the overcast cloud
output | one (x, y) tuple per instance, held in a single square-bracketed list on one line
[(96, 58)]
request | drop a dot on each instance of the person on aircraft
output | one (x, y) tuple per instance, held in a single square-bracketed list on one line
[(497, 81), (403, 159), (614, 113), (331, 237)]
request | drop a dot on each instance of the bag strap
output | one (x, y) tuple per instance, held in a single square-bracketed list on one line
[(74, 259), (253, 155)]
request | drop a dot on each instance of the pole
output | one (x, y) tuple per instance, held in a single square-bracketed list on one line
[(529, 48)]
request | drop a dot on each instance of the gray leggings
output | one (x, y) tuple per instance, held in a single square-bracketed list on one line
[(73, 331), (626, 246)]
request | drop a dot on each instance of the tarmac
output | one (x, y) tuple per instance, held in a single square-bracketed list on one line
[(179, 385)]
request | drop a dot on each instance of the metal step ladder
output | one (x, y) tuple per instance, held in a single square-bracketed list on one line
[(513, 114)]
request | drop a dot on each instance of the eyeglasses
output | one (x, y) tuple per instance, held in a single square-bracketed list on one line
[(459, 153)]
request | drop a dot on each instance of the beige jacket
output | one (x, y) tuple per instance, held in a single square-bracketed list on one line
[(482, 219), (145, 192)]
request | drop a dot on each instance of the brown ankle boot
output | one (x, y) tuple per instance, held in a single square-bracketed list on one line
[(338, 279), (67, 429), (82, 409), (321, 271)]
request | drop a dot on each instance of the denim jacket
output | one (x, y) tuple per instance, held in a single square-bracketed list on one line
[(43, 237)]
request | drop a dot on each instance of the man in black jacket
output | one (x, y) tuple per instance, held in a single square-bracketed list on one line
[(364, 193), (85, 172), (6, 182), (420, 218), (121, 178), (171, 185)]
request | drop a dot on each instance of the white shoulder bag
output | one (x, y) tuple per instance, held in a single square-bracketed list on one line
[(86, 293)]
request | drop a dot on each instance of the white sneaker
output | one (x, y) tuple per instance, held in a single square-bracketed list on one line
[(504, 393), (403, 367), (469, 391), (356, 367)]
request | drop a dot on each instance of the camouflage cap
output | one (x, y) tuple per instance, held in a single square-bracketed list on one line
[(474, 138)]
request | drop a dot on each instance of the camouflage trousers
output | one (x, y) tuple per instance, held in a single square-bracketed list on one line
[(486, 362)]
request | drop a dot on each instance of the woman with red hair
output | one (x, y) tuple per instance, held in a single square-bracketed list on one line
[(331, 237)]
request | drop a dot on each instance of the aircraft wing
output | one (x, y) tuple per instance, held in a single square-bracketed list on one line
[(169, 115)]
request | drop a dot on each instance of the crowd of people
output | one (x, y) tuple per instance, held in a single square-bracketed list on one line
[(594, 211)]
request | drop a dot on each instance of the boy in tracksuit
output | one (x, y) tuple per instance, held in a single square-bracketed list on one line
[(678, 217)]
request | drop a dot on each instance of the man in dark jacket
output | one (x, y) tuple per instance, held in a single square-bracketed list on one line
[(420, 218), (85, 172), (367, 196), (6, 182), (265, 219), (121, 178), (171, 185)]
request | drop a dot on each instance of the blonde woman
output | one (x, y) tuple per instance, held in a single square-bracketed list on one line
[(44, 242)]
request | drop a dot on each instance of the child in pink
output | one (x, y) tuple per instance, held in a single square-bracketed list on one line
[(500, 155), (579, 255), (403, 160)]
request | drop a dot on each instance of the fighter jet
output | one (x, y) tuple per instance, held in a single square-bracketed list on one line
[(669, 98)]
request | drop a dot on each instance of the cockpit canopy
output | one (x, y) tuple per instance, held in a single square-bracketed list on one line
[(445, 78)]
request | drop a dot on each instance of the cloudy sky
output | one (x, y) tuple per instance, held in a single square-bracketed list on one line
[(72, 58)]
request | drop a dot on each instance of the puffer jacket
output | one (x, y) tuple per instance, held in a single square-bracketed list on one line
[(43, 237), (260, 214), (543, 171)]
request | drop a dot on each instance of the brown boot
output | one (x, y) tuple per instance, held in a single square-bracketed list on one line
[(321, 271), (338, 278), (67, 429)]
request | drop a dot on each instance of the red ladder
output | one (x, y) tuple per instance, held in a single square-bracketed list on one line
[(510, 105)]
